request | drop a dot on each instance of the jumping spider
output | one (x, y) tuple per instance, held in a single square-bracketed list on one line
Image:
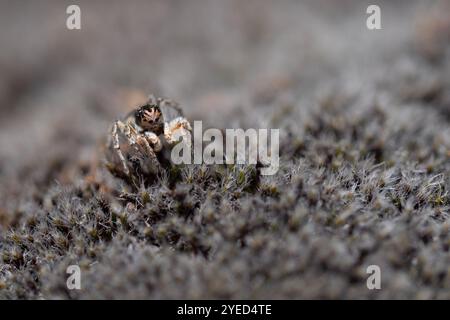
[(141, 130)]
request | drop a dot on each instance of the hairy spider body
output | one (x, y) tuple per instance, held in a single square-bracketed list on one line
[(141, 129)]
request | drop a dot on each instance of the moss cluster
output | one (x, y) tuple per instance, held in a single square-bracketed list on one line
[(364, 172)]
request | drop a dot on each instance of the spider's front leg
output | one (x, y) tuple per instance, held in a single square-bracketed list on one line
[(154, 140), (151, 144), (119, 125), (140, 142), (178, 127)]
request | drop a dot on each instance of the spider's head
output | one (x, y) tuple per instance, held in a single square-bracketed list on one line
[(149, 117)]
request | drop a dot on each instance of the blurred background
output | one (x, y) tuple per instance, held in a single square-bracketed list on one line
[(63, 87), (229, 63), (60, 88)]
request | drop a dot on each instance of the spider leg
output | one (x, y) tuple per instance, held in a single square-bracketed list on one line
[(169, 102), (154, 140), (152, 99), (176, 128), (136, 139), (142, 141), (115, 138)]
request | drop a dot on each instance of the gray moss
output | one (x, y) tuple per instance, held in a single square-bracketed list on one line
[(364, 179)]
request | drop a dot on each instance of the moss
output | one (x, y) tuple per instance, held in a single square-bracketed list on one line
[(364, 172)]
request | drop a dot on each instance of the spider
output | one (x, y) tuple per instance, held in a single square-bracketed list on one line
[(141, 129)]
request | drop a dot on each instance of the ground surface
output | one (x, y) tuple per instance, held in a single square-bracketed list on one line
[(364, 121)]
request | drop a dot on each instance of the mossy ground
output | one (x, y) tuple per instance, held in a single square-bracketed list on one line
[(364, 175)]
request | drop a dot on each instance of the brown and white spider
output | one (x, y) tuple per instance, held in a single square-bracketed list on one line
[(141, 129)]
